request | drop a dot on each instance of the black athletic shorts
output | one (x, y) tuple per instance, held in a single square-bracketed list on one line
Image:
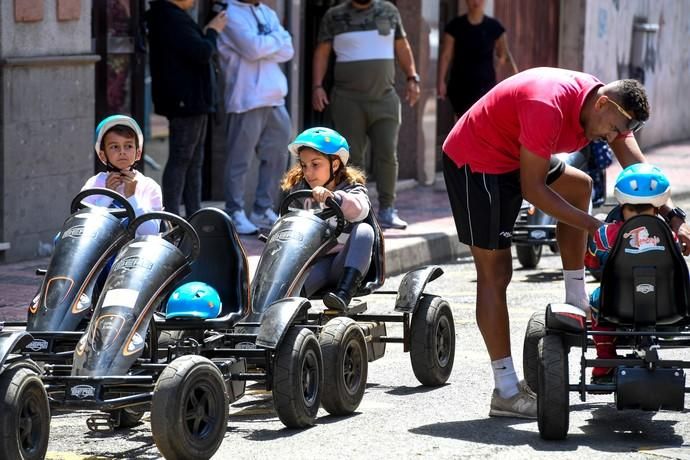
[(485, 206)]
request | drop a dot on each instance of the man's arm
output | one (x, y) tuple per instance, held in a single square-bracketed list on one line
[(533, 171), (319, 99), (245, 41), (447, 50), (403, 51)]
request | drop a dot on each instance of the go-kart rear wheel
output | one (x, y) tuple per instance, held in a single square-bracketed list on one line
[(345, 365), (530, 349), (432, 341), (24, 415), (129, 416), (189, 409), (298, 378), (529, 255), (553, 411)]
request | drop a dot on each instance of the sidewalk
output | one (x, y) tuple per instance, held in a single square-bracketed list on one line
[(430, 238)]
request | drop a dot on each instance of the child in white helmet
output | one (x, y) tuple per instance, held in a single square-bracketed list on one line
[(119, 144), (322, 167)]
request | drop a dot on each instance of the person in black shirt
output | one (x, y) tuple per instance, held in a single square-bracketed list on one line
[(470, 43)]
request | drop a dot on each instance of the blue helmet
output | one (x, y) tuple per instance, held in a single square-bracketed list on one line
[(642, 183), (324, 140), (193, 300)]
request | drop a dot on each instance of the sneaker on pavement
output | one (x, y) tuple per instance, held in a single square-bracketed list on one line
[(242, 225), (388, 218), (521, 405), (264, 220)]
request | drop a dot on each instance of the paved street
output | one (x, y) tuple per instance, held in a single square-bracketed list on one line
[(398, 418)]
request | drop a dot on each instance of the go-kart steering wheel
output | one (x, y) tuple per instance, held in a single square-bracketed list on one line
[(179, 232), (332, 209), (125, 211)]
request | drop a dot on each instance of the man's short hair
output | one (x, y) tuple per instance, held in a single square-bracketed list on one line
[(631, 95)]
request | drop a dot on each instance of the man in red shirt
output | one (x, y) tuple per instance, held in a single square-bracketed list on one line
[(501, 151)]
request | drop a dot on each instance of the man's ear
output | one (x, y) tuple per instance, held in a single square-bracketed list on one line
[(601, 102)]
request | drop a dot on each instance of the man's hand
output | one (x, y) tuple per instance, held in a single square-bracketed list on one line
[(218, 22), (321, 193), (442, 90), (683, 232), (412, 92), (127, 178), (319, 99)]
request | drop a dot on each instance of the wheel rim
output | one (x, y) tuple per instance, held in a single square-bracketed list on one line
[(310, 378), (200, 411), (443, 341), (29, 428), (352, 366)]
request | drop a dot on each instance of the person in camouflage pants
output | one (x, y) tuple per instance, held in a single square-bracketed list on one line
[(366, 37)]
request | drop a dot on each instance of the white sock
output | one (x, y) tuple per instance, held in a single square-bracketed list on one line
[(505, 378), (575, 292)]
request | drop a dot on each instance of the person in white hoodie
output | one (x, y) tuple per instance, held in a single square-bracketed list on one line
[(251, 48)]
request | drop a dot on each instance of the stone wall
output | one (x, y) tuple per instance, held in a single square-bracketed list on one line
[(47, 118)]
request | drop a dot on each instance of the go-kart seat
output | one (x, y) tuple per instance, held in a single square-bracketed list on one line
[(645, 280), (222, 263)]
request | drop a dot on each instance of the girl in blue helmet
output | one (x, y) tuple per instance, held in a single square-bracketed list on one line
[(640, 189), (322, 155), (119, 144)]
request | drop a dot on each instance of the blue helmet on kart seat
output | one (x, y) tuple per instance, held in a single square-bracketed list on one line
[(324, 140), (642, 183), (193, 300)]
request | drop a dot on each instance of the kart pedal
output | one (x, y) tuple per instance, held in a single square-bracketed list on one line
[(101, 422)]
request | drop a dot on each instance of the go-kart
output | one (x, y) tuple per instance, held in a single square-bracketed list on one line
[(645, 295), (535, 229), (57, 317)]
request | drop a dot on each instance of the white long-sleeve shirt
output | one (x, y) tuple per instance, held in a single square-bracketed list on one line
[(251, 47), (147, 198)]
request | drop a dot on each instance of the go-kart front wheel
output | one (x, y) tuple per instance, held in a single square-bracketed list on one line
[(345, 365), (530, 349), (529, 255), (298, 378), (432, 342), (24, 415), (189, 409), (553, 411)]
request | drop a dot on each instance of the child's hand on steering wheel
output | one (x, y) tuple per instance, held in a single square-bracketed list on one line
[(321, 193)]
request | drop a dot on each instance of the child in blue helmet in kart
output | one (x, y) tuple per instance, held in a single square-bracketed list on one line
[(640, 189), (119, 144), (322, 155)]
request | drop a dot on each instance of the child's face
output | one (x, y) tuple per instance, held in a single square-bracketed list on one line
[(120, 151), (316, 167)]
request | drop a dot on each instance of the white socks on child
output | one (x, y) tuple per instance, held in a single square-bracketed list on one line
[(505, 377), (575, 292)]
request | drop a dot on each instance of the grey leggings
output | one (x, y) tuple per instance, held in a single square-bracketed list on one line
[(355, 254)]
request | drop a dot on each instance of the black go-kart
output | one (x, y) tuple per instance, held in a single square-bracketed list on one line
[(645, 295), (57, 317)]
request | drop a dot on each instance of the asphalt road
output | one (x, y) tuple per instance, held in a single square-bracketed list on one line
[(400, 419)]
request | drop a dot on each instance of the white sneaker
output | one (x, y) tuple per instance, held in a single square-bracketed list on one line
[(264, 220), (242, 225)]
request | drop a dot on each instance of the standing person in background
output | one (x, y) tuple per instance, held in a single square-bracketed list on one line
[(367, 36), (471, 42), (184, 91), (251, 49)]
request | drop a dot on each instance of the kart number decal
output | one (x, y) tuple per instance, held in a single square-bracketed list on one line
[(121, 298)]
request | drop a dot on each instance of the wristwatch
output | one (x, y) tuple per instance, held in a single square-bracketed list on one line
[(675, 212), (414, 78)]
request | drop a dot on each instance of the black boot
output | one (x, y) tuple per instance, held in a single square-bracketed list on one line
[(347, 287)]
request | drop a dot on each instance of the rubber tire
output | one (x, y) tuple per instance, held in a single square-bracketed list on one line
[(432, 341), (554, 248), (529, 256), (184, 377), (553, 411), (345, 365), (536, 329), (129, 416), (298, 378), (22, 395)]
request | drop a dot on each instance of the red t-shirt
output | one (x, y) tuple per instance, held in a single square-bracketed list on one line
[(538, 108)]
